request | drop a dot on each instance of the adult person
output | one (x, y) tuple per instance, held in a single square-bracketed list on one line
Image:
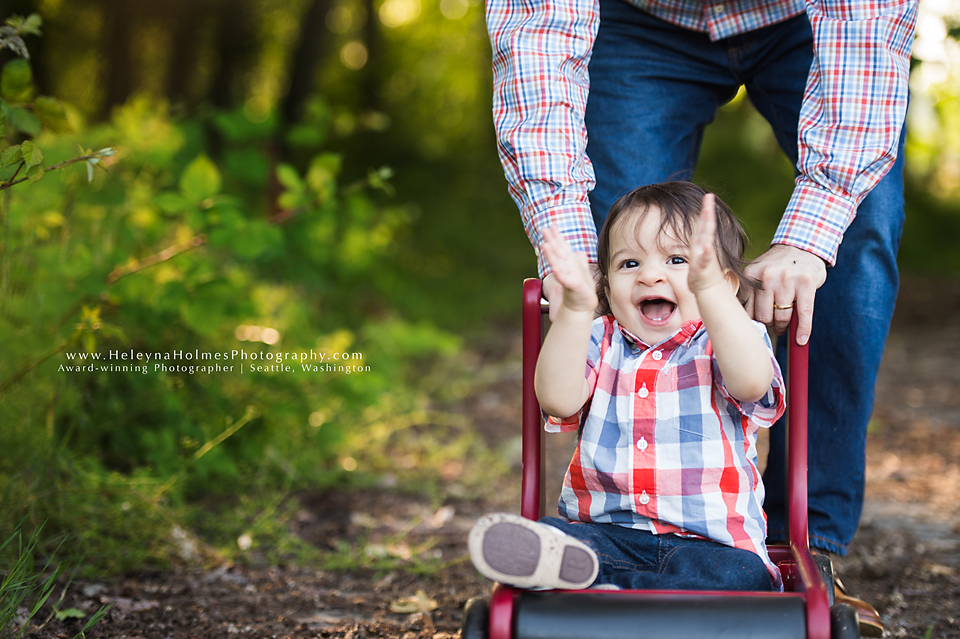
[(830, 76)]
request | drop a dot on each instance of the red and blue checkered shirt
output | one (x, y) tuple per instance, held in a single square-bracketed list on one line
[(663, 445), (850, 122)]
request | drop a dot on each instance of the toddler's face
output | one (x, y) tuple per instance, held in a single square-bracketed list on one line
[(647, 278)]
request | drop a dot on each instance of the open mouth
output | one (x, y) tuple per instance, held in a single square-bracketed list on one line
[(657, 309)]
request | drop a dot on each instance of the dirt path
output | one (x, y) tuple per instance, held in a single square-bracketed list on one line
[(905, 558)]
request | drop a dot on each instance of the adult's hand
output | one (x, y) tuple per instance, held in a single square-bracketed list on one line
[(553, 290), (790, 278)]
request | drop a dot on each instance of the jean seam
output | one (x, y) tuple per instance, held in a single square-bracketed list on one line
[(619, 563), (666, 560), (832, 542), (733, 58)]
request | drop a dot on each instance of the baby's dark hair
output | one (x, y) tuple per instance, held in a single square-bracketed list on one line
[(679, 204)]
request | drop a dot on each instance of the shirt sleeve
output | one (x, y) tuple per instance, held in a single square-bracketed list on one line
[(541, 49), (599, 337), (768, 409), (851, 118)]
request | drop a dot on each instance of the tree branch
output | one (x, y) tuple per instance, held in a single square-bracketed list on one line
[(15, 174), (65, 163), (156, 258), (287, 214)]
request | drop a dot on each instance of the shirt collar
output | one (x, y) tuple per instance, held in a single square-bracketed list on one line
[(683, 336)]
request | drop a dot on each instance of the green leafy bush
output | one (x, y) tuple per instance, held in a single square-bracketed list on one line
[(115, 284)]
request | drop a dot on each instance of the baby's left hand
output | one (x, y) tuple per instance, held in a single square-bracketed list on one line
[(572, 271), (705, 271)]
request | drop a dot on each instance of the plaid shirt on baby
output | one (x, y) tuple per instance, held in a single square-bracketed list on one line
[(853, 109), (663, 446)]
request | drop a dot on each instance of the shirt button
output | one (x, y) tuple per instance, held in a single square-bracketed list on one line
[(718, 9), (657, 355), (642, 444), (643, 392), (644, 498)]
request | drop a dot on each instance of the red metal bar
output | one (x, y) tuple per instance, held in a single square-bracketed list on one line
[(797, 420), (501, 612), (530, 486), (818, 609)]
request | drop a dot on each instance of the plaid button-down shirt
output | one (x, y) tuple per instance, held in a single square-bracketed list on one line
[(663, 446), (850, 122)]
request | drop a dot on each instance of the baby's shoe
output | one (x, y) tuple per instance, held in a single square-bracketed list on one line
[(526, 554)]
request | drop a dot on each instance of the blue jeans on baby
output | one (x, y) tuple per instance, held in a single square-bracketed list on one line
[(653, 89), (640, 560)]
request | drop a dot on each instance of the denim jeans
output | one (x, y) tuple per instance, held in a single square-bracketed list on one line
[(654, 87), (637, 559)]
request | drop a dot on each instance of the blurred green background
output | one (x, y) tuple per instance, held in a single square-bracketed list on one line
[(287, 176)]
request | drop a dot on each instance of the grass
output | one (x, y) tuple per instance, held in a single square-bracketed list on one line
[(25, 588)]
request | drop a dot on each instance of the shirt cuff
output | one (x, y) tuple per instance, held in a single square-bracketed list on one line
[(575, 223), (553, 424), (816, 220)]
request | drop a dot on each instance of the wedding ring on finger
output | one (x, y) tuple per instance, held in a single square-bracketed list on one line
[(783, 307)]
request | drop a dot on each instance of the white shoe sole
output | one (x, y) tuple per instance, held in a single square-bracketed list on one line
[(518, 552)]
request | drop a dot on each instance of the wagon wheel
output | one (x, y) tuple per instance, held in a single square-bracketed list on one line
[(843, 622), (476, 619)]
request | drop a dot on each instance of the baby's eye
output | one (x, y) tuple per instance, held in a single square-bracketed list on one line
[(629, 264), (677, 260)]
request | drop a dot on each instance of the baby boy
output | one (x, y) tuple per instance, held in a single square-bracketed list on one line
[(668, 389)]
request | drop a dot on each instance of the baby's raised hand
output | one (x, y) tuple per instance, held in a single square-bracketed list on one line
[(571, 270), (705, 270)]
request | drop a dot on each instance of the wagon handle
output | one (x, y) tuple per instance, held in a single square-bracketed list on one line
[(531, 495), (798, 365)]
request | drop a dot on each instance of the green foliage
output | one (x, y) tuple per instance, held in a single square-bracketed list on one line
[(22, 583), (192, 242), (168, 254), (23, 114), (11, 34), (421, 104), (21, 111), (16, 81), (200, 180), (25, 588)]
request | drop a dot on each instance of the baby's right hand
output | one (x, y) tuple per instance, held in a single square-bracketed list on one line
[(572, 271)]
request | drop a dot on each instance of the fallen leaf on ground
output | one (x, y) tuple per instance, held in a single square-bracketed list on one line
[(400, 550), (939, 569), (70, 613), (420, 602), (440, 518)]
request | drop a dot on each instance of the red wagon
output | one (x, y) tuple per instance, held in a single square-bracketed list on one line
[(805, 610)]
